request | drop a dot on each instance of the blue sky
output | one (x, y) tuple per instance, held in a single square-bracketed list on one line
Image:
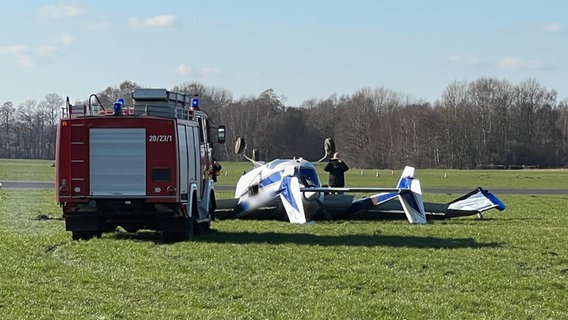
[(301, 49)]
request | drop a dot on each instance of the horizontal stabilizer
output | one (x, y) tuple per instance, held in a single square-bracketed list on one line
[(479, 200), (408, 192), (372, 201)]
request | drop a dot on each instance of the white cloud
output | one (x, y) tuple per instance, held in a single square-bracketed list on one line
[(44, 50), (96, 26), (19, 51), (208, 71), (24, 61), (161, 21), (183, 69), (60, 11), (518, 64), (67, 39), (155, 22), (15, 49), (464, 60), (551, 28)]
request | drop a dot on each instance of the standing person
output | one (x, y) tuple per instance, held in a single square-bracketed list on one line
[(215, 170), (336, 168)]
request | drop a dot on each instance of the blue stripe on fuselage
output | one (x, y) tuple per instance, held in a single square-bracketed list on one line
[(273, 178)]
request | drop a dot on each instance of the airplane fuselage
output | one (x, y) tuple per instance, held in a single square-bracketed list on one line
[(260, 188)]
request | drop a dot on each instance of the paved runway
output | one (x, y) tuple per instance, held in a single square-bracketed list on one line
[(47, 185)]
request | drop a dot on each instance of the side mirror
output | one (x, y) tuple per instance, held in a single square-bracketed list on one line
[(221, 134)]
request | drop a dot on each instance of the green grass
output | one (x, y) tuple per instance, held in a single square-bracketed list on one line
[(512, 265), (42, 170), (432, 178), (26, 170)]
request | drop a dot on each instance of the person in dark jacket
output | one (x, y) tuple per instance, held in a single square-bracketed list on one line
[(215, 170), (336, 168)]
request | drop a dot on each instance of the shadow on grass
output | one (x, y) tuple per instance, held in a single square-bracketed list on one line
[(342, 240), (315, 240), (143, 235)]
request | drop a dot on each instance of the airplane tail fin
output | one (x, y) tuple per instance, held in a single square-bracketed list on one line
[(291, 197), (409, 194)]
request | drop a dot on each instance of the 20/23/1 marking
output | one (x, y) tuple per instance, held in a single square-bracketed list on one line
[(160, 138)]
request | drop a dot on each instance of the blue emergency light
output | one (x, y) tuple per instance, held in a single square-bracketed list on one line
[(117, 107), (195, 103)]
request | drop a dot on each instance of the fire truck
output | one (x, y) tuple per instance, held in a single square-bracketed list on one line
[(142, 166)]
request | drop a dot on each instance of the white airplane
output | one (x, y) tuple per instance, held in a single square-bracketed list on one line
[(293, 185), (291, 189)]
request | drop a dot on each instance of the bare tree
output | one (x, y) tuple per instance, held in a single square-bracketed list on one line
[(109, 95), (475, 123), (49, 110), (7, 112)]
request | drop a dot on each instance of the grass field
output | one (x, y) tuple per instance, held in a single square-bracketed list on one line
[(511, 265), (43, 170)]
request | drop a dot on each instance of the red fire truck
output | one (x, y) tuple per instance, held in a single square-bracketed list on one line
[(143, 166)]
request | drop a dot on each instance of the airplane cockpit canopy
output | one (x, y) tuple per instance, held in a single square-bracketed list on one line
[(311, 176)]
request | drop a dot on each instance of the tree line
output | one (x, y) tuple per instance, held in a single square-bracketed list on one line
[(482, 123)]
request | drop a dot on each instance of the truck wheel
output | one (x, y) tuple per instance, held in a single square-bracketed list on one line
[(187, 235), (202, 228), (85, 235), (77, 235), (169, 236), (174, 236), (205, 227)]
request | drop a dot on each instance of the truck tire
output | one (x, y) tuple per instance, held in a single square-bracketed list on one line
[(169, 236), (187, 235), (85, 235), (205, 227), (176, 236)]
